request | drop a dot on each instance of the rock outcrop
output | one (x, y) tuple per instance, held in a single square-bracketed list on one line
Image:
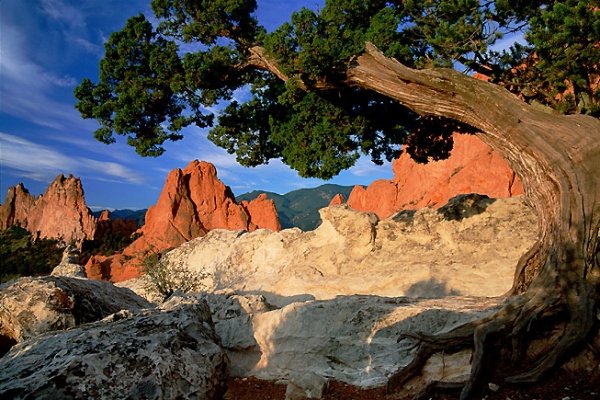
[(16, 207), (193, 202), (69, 265), (354, 339), (417, 254), (473, 167), (60, 213), (164, 353), (32, 306), (115, 268), (337, 200), (262, 212)]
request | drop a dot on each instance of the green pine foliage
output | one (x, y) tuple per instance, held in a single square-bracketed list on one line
[(19, 256), (156, 80), (566, 39)]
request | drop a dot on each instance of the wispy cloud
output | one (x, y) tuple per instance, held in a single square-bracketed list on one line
[(19, 75), (39, 162), (195, 145), (59, 11), (89, 46)]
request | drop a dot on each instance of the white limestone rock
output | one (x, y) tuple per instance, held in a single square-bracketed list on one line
[(69, 266), (354, 339), (32, 306), (164, 353), (306, 386), (353, 253)]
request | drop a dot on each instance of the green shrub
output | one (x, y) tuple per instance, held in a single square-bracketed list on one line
[(167, 277)]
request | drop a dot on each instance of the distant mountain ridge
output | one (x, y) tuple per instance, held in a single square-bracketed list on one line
[(300, 208)]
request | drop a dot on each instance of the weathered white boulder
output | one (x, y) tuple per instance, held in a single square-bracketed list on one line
[(354, 339), (31, 306), (163, 353), (142, 287), (69, 264), (69, 269), (422, 254)]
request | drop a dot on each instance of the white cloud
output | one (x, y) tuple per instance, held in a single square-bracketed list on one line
[(29, 157), (60, 81), (196, 146), (113, 169), (41, 163)]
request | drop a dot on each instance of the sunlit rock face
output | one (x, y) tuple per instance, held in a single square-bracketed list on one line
[(60, 213), (16, 207), (193, 202), (473, 167), (337, 200), (169, 352), (471, 249), (262, 213)]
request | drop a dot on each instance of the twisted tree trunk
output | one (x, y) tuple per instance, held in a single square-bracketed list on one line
[(558, 160)]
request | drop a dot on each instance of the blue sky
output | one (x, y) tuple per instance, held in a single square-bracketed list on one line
[(46, 48)]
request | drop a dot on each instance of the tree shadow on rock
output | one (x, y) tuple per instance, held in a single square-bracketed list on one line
[(431, 288)]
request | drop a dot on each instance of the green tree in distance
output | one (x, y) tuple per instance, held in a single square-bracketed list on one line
[(365, 77)]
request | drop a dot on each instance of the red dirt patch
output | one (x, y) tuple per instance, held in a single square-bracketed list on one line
[(559, 386)]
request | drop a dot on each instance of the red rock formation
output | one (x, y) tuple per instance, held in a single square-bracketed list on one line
[(263, 213), (106, 227), (193, 201), (115, 268), (60, 213), (337, 200), (16, 207), (471, 168)]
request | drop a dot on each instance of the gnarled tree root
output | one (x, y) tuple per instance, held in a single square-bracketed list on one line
[(513, 322)]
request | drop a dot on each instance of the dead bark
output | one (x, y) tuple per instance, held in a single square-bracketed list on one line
[(557, 158)]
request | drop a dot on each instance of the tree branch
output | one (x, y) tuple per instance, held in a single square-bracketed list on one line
[(258, 59)]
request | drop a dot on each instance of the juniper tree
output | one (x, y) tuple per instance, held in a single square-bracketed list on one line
[(362, 77)]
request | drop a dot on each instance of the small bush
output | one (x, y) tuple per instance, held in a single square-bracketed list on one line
[(167, 277)]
